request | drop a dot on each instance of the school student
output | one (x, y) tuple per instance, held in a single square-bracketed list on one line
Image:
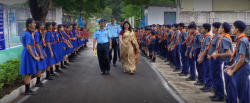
[(69, 46), (152, 45), (184, 59), (224, 52), (62, 45), (40, 44), (192, 32), (175, 48), (167, 40), (215, 63), (56, 49), (72, 41), (49, 50), (28, 56), (203, 59), (195, 51), (240, 70)]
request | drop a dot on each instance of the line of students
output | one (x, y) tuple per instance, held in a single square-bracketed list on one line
[(45, 46), (205, 53)]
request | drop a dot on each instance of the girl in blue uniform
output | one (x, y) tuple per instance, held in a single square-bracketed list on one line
[(71, 50), (49, 50), (57, 48), (28, 56), (40, 44), (240, 70), (62, 46), (67, 42), (75, 44)]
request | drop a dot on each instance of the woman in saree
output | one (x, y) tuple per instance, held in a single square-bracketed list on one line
[(129, 48)]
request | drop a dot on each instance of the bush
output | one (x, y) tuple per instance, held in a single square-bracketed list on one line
[(9, 71)]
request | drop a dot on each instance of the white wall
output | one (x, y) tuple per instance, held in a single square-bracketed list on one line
[(156, 14), (59, 15), (202, 5)]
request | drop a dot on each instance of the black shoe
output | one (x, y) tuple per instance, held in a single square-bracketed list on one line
[(203, 88), (166, 61), (182, 74), (114, 64), (119, 60), (199, 83), (50, 78), (108, 73), (206, 90), (172, 66), (54, 75), (59, 71), (40, 85), (71, 61), (217, 99), (103, 73), (190, 79), (176, 70), (64, 67), (212, 96), (152, 61), (30, 92), (66, 63)]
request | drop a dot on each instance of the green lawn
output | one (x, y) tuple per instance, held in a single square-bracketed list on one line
[(91, 30)]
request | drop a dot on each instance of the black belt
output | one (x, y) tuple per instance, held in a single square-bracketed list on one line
[(102, 43), (114, 37)]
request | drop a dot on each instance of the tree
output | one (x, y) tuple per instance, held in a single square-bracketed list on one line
[(39, 8), (116, 6), (105, 14), (39, 13)]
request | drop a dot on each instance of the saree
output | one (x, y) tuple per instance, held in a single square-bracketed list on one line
[(128, 53)]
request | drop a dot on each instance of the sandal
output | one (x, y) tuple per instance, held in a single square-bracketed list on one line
[(132, 72), (125, 71)]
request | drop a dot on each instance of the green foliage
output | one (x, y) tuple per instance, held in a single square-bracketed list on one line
[(105, 14), (84, 7), (146, 2), (9, 72), (116, 6)]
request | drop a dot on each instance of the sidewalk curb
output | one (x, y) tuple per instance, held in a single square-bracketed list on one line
[(167, 85), (17, 92)]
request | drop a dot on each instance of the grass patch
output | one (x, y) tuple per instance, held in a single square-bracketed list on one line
[(91, 30)]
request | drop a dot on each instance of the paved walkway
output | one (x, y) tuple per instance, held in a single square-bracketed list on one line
[(82, 83)]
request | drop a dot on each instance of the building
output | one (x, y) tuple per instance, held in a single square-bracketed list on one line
[(14, 25), (209, 11), (161, 14)]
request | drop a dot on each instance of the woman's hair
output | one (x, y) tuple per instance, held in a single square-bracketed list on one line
[(74, 26), (29, 21), (53, 23), (38, 24), (58, 28), (47, 25), (129, 28)]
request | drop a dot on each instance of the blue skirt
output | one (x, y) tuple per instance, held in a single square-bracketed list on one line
[(27, 62), (41, 64), (56, 49), (51, 60), (87, 40), (75, 44), (61, 51)]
